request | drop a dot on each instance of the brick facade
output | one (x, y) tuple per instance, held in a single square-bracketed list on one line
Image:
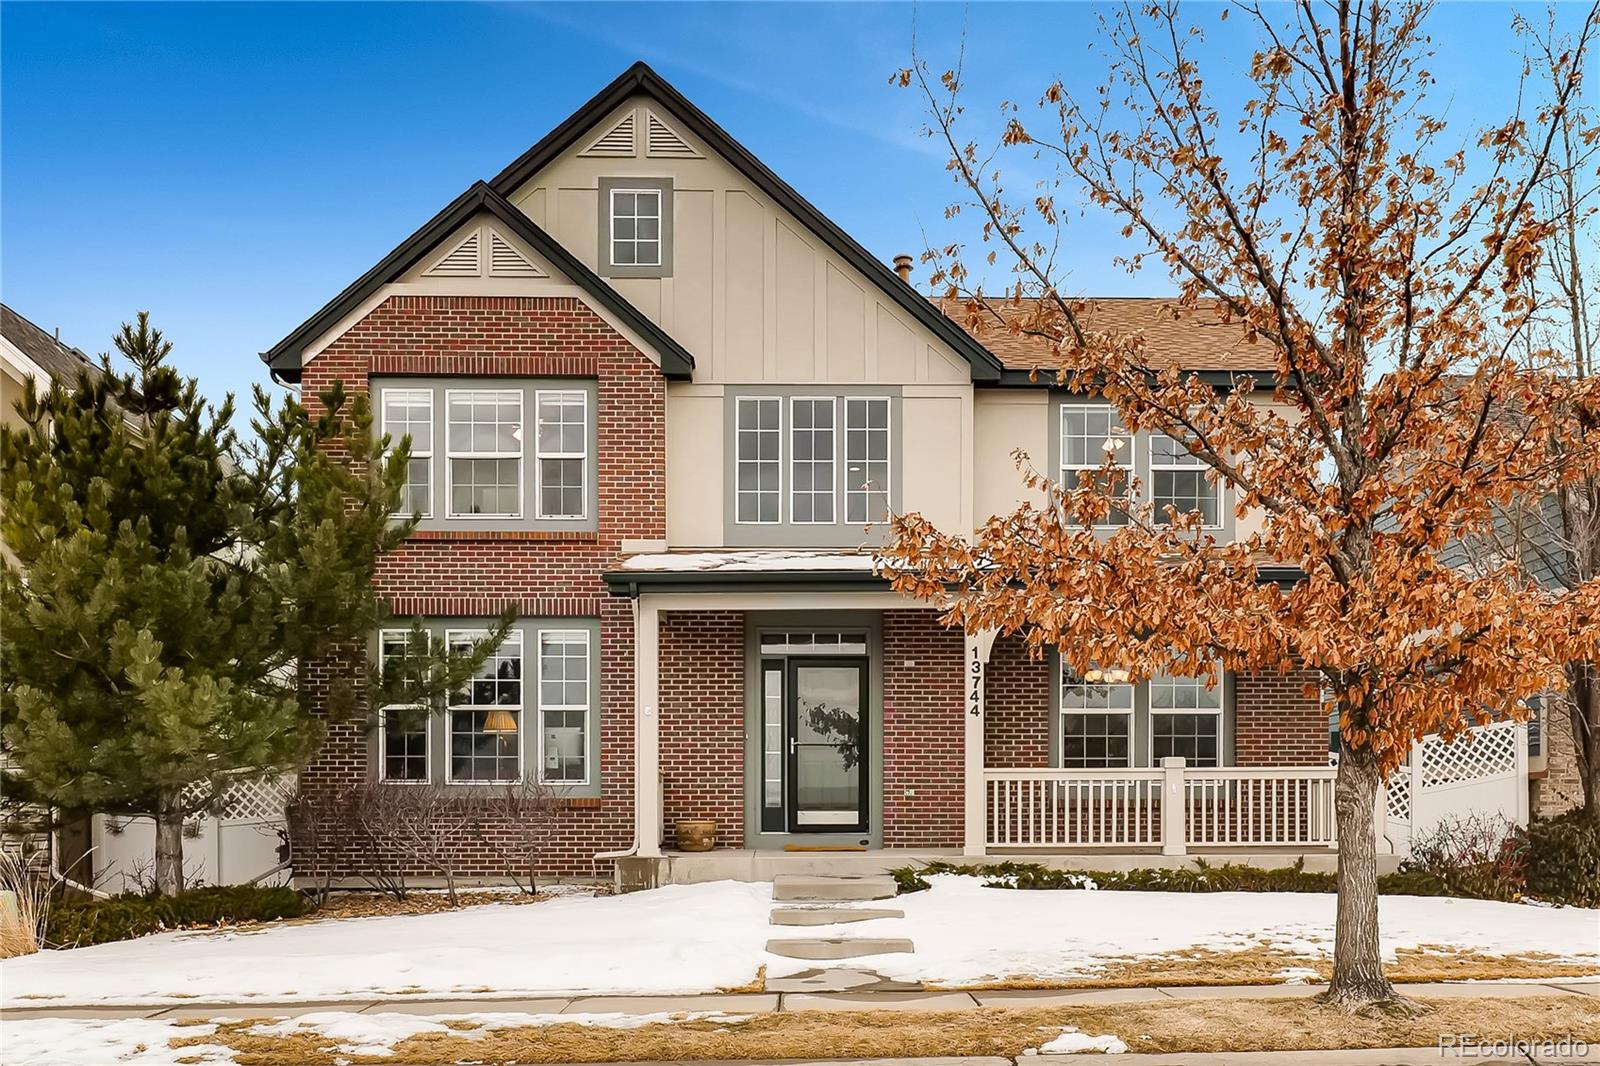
[(1276, 724), (702, 721), (547, 575), (1559, 790), (1017, 705), (924, 701)]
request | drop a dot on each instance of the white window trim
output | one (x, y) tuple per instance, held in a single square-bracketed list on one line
[(1129, 466), (739, 403), (587, 708), (1062, 711), (383, 727), (611, 230), (538, 453), (1160, 516), (450, 638), (383, 410), (1220, 688), (520, 456), (833, 482), (863, 492)]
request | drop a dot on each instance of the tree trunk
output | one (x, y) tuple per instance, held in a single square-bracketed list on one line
[(1358, 980), (169, 845), (1583, 698)]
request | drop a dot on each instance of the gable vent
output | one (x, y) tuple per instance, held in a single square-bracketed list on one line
[(664, 141), (618, 141), (506, 262), (462, 262)]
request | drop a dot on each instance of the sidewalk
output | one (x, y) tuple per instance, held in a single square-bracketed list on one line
[(776, 1002)]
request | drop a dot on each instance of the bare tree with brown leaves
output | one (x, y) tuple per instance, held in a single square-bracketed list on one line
[(1383, 277)]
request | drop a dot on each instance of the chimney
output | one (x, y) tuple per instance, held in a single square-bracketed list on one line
[(902, 266)]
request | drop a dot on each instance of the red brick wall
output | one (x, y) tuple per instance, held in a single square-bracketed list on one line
[(1017, 705), (1560, 789), (544, 574), (923, 731), (702, 721), (1276, 723)]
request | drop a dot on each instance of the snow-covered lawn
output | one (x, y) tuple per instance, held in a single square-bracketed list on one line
[(700, 938)]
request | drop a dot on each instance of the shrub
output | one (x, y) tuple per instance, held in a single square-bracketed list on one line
[(1562, 856), (1477, 856), (101, 921)]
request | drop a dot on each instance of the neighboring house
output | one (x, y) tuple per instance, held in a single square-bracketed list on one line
[(655, 398)]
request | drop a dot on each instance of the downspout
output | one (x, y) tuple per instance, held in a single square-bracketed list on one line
[(631, 849)]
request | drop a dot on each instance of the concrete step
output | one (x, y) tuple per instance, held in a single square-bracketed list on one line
[(794, 887), (839, 947), (830, 915)]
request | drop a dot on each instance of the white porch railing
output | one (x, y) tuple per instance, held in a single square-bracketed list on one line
[(1174, 808)]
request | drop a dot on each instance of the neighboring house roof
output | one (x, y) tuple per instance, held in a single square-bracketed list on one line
[(284, 357), (640, 79), (1195, 339), (60, 362)]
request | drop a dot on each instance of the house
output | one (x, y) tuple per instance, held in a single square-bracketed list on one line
[(655, 399)]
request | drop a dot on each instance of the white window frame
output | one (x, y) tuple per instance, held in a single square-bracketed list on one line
[(1127, 466), (738, 461), (586, 638), (1158, 509), (611, 230), (566, 395), (519, 455), (1062, 711), (833, 462), (1220, 688), (383, 727), (861, 492), (383, 411), (451, 636)]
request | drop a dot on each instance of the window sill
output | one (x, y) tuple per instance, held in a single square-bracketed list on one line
[(567, 536)]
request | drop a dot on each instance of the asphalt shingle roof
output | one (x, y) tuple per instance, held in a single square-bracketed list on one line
[(60, 361)]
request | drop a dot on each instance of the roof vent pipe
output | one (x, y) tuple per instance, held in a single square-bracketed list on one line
[(902, 266)]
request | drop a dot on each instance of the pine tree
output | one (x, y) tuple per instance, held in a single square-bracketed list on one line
[(170, 580)]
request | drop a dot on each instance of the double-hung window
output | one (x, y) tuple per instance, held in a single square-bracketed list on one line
[(402, 728), (758, 486), (811, 435), (484, 440), (1178, 480), (562, 452), (1091, 436), (564, 701), (866, 458), (486, 715), (1185, 720), (409, 413), (636, 227), (1096, 722)]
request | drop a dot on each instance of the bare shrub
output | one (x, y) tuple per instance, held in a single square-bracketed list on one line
[(528, 811), (1475, 854)]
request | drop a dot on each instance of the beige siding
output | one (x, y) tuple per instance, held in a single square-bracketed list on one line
[(11, 390), (752, 294), (695, 465), (1005, 420), (938, 454)]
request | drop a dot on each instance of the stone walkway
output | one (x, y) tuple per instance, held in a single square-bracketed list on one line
[(872, 997)]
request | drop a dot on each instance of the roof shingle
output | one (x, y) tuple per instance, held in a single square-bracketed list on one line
[(58, 360)]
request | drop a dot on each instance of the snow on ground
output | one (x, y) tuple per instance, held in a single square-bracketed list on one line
[(1071, 1041), (700, 938), (82, 1041)]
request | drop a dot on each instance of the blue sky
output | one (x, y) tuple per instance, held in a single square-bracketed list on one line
[(230, 167)]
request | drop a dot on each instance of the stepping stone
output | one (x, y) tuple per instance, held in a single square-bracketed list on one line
[(839, 979), (839, 947), (830, 915), (793, 887)]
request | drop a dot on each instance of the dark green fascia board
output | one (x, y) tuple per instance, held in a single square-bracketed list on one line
[(640, 78), (1221, 380), (283, 358)]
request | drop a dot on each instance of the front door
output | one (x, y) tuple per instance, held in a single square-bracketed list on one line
[(826, 726)]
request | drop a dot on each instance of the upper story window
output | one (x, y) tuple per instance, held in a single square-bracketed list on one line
[(484, 441), (519, 453), (635, 238), (810, 468), (1169, 475)]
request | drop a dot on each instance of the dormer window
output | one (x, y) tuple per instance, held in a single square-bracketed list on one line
[(635, 227)]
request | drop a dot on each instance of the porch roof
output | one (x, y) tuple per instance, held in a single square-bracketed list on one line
[(754, 569)]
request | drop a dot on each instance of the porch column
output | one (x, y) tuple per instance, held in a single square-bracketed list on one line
[(646, 728), (978, 647)]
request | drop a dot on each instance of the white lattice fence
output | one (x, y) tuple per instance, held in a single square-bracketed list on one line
[(1488, 751), (1483, 771)]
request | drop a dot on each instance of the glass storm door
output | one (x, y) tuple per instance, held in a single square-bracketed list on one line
[(826, 722)]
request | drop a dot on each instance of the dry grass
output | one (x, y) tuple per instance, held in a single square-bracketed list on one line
[(1264, 965), (24, 906), (1220, 1025), (374, 905)]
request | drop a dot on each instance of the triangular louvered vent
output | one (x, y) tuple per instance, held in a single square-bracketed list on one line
[(615, 142), (462, 262), (506, 262), (664, 141)]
